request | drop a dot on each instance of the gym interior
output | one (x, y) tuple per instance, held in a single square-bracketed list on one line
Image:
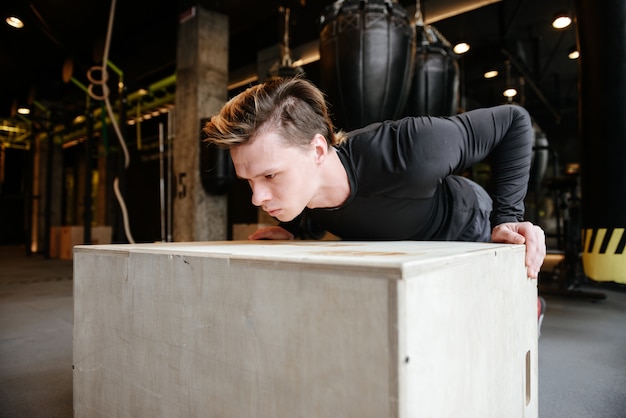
[(102, 106)]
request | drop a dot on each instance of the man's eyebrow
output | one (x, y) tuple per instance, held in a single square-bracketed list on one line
[(263, 173)]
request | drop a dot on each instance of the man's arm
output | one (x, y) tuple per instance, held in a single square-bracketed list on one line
[(271, 232), (505, 135), (510, 162), (282, 231)]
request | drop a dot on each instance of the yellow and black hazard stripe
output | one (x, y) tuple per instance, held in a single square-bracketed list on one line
[(604, 254)]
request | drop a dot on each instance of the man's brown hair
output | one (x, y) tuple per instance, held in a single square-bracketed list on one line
[(293, 108)]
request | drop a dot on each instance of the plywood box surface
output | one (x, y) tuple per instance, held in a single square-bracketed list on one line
[(304, 329)]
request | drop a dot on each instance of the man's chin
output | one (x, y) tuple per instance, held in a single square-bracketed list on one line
[(283, 217)]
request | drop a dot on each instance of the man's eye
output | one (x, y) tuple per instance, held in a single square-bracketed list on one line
[(270, 176)]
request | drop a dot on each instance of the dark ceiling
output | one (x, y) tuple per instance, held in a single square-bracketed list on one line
[(143, 46)]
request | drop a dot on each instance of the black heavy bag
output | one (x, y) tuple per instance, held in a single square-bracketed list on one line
[(539, 161), (217, 172), (435, 83), (366, 50)]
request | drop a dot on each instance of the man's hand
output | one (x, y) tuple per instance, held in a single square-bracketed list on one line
[(271, 232), (524, 233)]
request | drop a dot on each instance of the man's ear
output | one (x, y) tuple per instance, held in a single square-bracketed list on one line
[(320, 146)]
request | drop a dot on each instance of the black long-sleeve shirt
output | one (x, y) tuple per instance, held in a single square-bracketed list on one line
[(403, 184)]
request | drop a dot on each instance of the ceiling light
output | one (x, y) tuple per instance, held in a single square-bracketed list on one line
[(490, 74), (573, 54), (461, 48), (510, 92), (561, 20), (23, 111), (14, 22)]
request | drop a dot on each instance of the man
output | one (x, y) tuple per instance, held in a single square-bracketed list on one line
[(387, 181)]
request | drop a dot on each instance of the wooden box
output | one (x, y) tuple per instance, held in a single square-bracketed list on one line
[(55, 242), (304, 329), (70, 236)]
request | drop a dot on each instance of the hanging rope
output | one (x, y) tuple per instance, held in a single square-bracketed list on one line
[(104, 96)]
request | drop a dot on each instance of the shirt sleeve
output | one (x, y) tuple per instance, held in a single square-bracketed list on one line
[(436, 147), (302, 226), (407, 162), (505, 136), (294, 226)]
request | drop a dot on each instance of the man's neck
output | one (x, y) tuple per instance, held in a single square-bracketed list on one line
[(334, 187)]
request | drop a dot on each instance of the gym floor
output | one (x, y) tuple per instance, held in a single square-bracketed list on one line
[(582, 349)]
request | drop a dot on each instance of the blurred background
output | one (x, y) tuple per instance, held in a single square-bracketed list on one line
[(47, 63)]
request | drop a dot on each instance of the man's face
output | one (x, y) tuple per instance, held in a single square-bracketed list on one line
[(282, 177)]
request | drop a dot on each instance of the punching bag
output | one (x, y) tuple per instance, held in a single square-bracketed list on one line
[(539, 159), (366, 52), (217, 172), (602, 64), (435, 83)]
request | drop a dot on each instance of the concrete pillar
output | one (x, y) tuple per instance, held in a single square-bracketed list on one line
[(201, 90), (602, 42)]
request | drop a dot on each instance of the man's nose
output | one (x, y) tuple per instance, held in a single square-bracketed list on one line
[(260, 194)]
